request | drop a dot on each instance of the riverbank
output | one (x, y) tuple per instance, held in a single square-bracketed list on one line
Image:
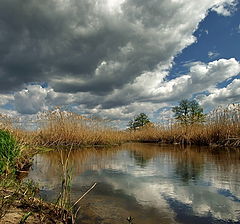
[(19, 201), (19, 204), (215, 135), (221, 128), (61, 129)]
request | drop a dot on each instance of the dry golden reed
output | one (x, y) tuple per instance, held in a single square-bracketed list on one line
[(60, 128), (222, 127), (66, 129)]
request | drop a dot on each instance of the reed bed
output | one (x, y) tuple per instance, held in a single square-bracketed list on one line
[(64, 129), (56, 129), (222, 127)]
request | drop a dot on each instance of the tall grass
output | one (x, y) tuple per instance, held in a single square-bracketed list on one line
[(58, 129), (69, 129), (222, 127), (9, 152)]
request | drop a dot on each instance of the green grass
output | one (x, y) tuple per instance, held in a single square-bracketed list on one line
[(9, 152)]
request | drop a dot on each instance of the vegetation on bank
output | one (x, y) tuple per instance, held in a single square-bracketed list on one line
[(18, 200), (189, 112), (139, 121), (221, 127), (9, 152), (19, 204), (59, 129)]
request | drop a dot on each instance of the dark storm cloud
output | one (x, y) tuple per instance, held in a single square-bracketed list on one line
[(35, 41), (94, 56), (51, 40), (27, 30)]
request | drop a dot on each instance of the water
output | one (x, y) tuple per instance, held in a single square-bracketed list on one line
[(153, 184)]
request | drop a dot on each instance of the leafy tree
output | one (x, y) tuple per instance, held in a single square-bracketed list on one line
[(188, 112), (138, 121)]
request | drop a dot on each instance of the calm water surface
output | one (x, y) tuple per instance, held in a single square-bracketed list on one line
[(153, 184)]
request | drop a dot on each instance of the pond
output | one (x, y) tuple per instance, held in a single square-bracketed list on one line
[(153, 184)]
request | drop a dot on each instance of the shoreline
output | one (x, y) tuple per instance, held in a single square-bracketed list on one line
[(21, 203)]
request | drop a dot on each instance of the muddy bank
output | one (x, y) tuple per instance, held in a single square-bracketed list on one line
[(19, 208), (19, 201)]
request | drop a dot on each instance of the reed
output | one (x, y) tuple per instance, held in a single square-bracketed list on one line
[(64, 200), (66, 129), (222, 127), (59, 129)]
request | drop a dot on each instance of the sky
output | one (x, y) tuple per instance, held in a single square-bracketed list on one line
[(116, 58)]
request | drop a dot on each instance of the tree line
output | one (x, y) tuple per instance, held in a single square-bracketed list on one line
[(186, 113)]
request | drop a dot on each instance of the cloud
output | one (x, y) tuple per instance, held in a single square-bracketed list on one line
[(226, 8), (201, 77), (30, 100), (5, 98), (207, 75), (110, 58), (213, 54), (223, 96), (148, 92), (92, 46)]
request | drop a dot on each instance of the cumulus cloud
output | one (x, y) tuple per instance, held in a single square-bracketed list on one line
[(30, 100), (204, 76), (201, 77), (103, 56), (226, 8), (5, 98), (223, 96), (143, 95), (92, 45)]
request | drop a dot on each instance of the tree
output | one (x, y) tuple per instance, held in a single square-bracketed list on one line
[(138, 121), (189, 112)]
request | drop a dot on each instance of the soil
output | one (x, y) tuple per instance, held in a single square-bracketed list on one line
[(35, 210)]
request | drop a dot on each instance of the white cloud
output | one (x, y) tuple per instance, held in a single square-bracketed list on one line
[(202, 77), (225, 8), (210, 74), (108, 57), (223, 96), (11, 113), (213, 54), (151, 87), (5, 98), (148, 93), (30, 100), (113, 5), (165, 117)]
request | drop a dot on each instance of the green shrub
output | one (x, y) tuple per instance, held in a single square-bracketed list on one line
[(9, 151)]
